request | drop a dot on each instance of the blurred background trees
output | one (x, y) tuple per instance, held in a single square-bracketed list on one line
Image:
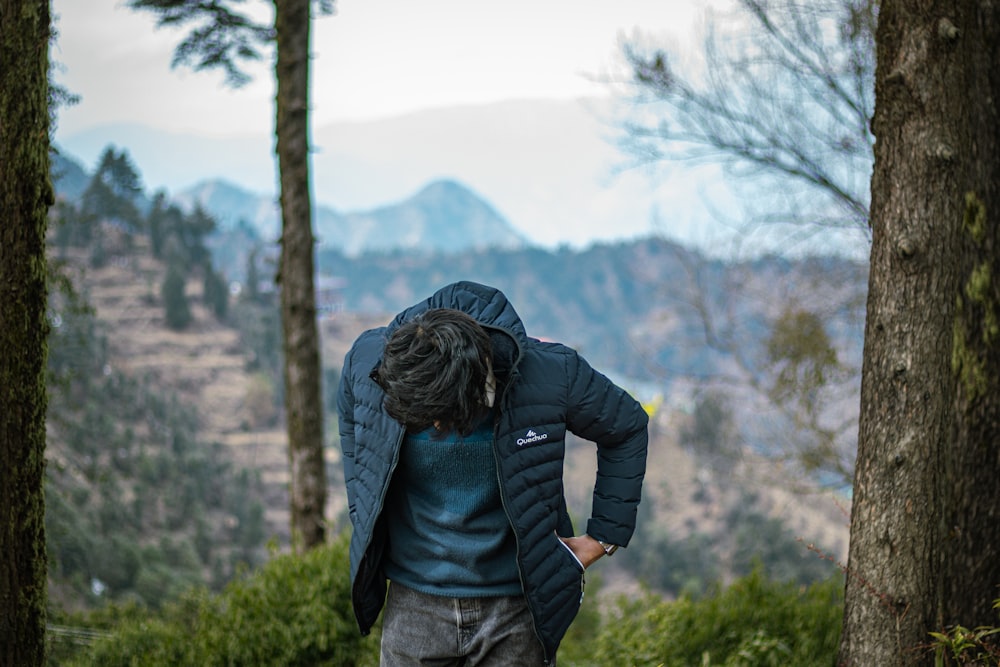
[(225, 36), (780, 99)]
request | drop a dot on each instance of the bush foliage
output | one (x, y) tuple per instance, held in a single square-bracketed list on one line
[(295, 610), (755, 622)]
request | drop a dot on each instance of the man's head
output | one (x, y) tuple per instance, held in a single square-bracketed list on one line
[(434, 372)]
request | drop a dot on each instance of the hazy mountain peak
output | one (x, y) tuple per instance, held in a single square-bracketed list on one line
[(444, 216), (217, 187), (231, 204), (445, 187)]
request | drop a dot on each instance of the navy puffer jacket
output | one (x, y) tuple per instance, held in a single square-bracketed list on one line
[(544, 390)]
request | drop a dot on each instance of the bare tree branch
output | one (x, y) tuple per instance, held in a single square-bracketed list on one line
[(785, 99)]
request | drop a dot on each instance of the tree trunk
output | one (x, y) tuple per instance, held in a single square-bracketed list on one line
[(303, 400), (25, 196), (925, 523)]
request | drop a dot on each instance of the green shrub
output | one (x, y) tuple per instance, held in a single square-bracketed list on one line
[(295, 610), (959, 645), (754, 622), (760, 539), (577, 648)]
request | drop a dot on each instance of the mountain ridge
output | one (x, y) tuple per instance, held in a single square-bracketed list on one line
[(443, 216), (552, 168)]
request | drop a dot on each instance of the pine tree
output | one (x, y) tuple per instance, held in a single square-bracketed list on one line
[(215, 293), (175, 301)]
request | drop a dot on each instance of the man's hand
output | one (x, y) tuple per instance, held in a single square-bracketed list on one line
[(585, 547)]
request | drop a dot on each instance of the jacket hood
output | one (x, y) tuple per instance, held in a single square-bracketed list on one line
[(488, 306)]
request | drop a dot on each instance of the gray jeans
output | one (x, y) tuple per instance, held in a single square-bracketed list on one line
[(421, 629)]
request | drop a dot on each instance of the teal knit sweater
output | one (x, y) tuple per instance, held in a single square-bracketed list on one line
[(448, 532)]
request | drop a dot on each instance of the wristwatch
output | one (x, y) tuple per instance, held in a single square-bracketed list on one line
[(608, 547)]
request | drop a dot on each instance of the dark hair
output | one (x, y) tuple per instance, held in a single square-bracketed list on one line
[(434, 372)]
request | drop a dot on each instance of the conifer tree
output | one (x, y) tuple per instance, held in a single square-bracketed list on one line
[(175, 302), (215, 293)]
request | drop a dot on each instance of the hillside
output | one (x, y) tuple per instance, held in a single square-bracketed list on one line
[(206, 366), (688, 497), (642, 309)]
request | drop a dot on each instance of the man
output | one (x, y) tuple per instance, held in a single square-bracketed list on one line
[(453, 425)]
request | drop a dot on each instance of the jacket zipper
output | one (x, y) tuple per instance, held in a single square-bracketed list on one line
[(506, 511), (503, 491)]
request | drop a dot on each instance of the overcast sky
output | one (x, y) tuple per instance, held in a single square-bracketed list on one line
[(378, 59), (373, 58)]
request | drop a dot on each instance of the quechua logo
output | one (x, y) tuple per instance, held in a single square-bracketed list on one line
[(531, 437)]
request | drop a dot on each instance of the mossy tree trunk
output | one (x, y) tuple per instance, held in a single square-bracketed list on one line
[(25, 196), (303, 399), (925, 524)]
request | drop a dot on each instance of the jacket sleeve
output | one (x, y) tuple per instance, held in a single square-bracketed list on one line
[(601, 411), (345, 421)]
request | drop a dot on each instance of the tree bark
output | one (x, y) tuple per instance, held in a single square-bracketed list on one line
[(925, 523), (303, 400), (25, 196)]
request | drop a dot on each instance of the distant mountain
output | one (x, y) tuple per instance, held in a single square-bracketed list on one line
[(551, 168), (445, 216), (69, 177), (232, 205)]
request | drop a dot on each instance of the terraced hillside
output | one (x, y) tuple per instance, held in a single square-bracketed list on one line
[(205, 365), (694, 511)]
